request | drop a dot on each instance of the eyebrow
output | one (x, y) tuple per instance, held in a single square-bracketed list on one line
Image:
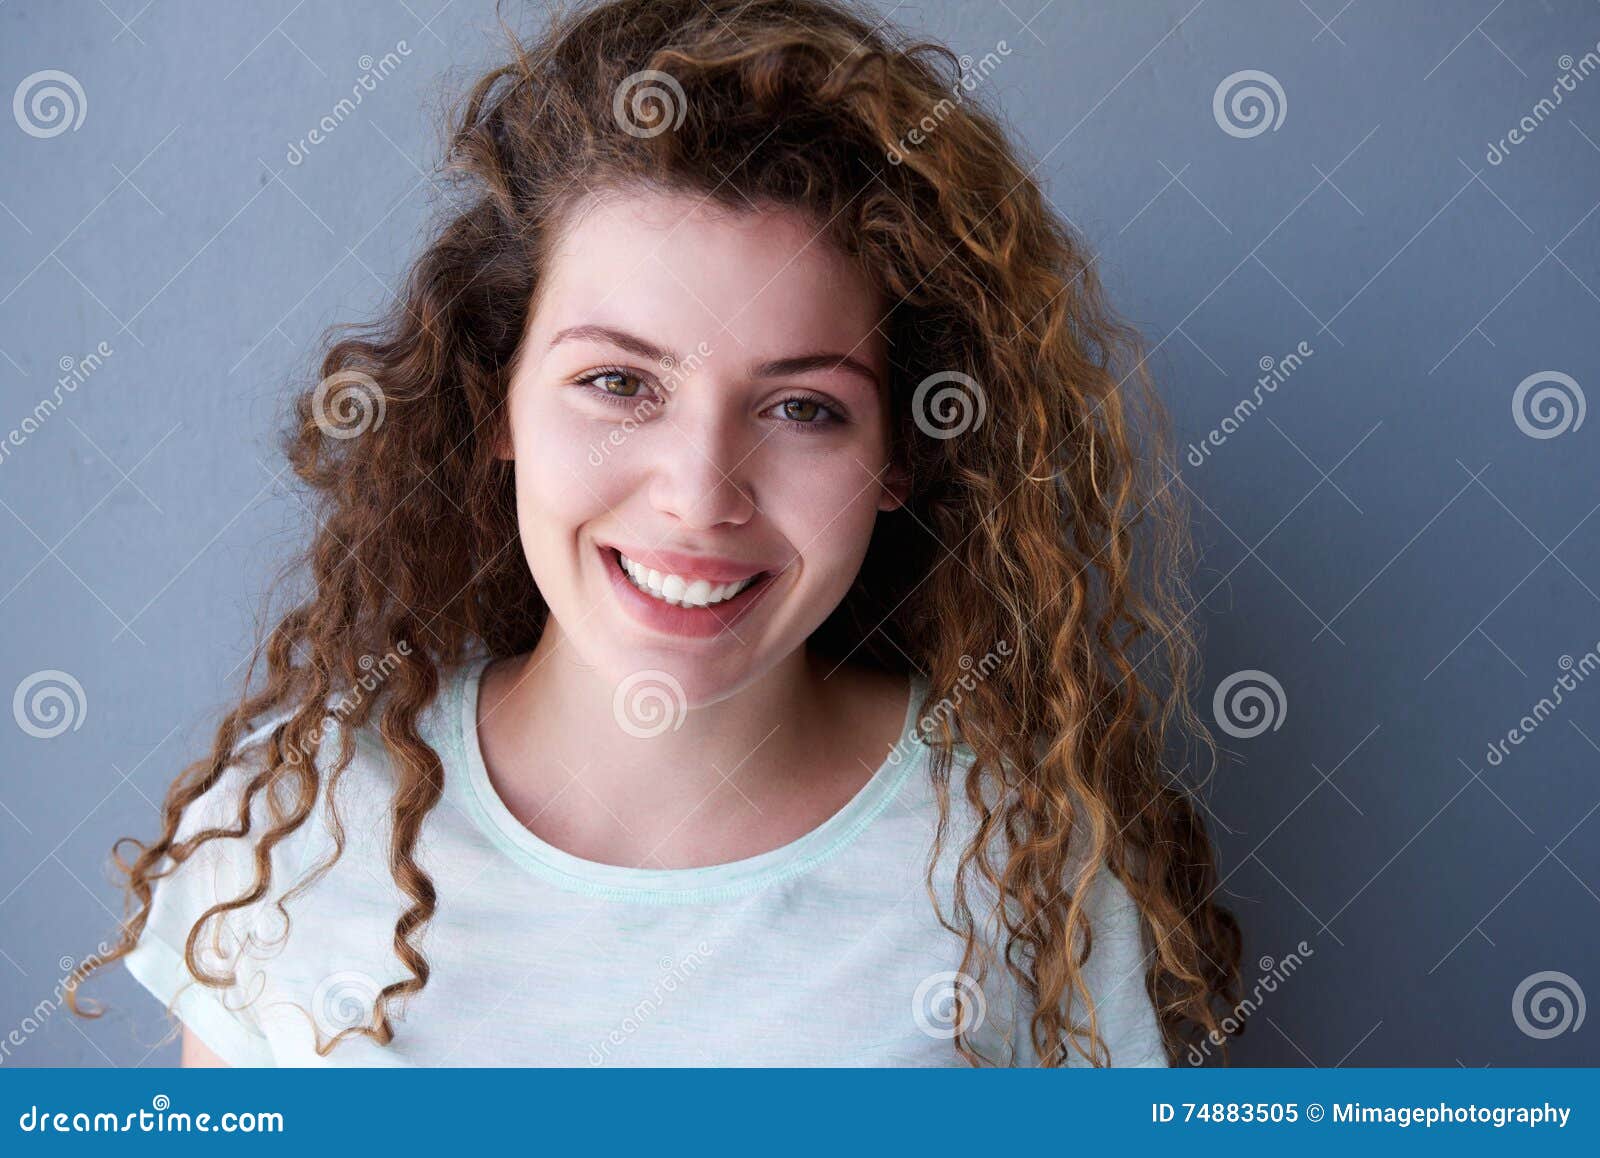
[(777, 368)]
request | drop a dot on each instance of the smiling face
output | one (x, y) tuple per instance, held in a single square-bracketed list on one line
[(704, 392)]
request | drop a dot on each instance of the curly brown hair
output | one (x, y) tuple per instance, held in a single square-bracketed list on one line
[(1050, 523)]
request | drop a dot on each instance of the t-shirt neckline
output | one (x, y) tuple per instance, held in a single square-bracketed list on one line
[(683, 885)]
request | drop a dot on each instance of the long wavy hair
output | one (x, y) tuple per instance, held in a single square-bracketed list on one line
[(1042, 514)]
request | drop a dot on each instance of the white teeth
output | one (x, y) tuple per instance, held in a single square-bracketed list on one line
[(677, 590)]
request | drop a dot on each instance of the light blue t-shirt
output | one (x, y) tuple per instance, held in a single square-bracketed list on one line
[(826, 951)]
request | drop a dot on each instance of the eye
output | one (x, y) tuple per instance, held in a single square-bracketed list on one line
[(613, 384), (808, 412)]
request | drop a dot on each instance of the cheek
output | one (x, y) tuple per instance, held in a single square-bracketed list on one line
[(827, 510), (566, 474)]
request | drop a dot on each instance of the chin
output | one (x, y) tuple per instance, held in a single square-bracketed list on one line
[(652, 689)]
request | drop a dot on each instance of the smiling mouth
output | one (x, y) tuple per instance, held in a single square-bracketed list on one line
[(681, 591)]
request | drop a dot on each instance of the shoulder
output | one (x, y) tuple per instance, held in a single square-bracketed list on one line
[(256, 946), (237, 802), (253, 796), (220, 829), (371, 764), (1120, 948)]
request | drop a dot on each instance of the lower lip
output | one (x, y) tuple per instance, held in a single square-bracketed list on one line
[(689, 622)]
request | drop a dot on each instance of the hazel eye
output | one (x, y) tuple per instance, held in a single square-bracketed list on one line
[(803, 412), (605, 377), (801, 409)]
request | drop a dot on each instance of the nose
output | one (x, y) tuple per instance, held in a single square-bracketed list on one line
[(701, 471)]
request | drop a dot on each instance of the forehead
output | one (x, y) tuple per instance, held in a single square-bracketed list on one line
[(679, 270)]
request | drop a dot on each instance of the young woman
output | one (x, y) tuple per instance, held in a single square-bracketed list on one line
[(745, 620)]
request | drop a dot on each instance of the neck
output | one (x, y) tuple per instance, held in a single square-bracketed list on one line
[(610, 777)]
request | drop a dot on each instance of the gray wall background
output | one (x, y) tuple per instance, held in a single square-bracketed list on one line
[(1383, 537)]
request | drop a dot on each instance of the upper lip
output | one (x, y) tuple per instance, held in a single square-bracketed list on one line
[(712, 568)]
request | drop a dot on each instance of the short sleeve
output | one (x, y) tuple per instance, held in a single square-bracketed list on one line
[(220, 869), (1125, 1017)]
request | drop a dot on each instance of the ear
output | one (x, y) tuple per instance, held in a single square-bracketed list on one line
[(503, 449), (896, 488)]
